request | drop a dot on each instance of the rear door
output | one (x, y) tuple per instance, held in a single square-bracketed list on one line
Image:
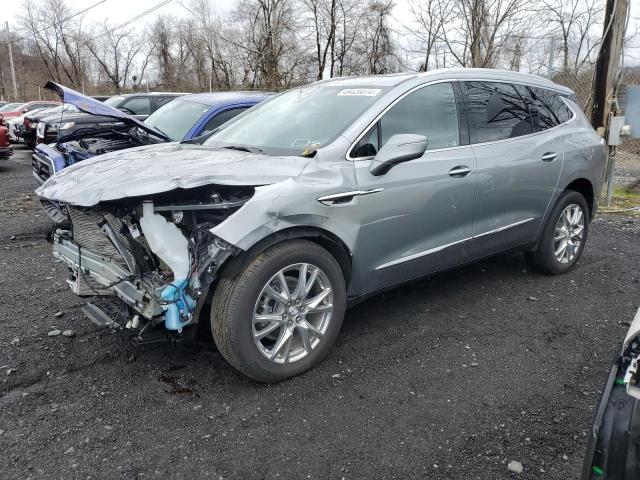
[(419, 215), (517, 166)]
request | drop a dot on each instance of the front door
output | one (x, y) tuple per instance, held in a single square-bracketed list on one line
[(419, 216)]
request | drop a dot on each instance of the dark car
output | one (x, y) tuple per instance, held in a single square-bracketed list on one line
[(613, 450), (140, 105), (28, 129)]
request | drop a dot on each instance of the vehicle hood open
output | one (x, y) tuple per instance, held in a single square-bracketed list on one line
[(95, 107), (161, 168)]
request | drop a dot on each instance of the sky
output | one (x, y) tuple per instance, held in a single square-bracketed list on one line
[(120, 11)]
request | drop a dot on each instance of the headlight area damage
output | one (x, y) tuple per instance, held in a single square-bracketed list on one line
[(149, 260)]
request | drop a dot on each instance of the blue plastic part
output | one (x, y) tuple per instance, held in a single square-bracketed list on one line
[(182, 304), (52, 154)]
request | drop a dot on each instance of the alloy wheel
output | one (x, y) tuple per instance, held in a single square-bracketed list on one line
[(568, 233), (292, 313)]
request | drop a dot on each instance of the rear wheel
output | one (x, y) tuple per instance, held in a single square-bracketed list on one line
[(279, 315), (563, 237)]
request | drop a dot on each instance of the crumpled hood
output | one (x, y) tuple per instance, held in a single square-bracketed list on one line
[(162, 168), (95, 107)]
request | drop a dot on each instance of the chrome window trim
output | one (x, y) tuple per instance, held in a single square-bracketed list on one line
[(439, 248), (418, 87)]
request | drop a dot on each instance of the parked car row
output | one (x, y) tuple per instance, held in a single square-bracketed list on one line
[(266, 228)]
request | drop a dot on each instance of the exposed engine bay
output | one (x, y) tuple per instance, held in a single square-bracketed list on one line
[(109, 142), (148, 261)]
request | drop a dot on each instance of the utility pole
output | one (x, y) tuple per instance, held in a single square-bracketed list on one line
[(608, 61), (13, 70)]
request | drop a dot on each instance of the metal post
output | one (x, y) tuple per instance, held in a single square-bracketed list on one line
[(552, 56), (13, 70), (612, 171)]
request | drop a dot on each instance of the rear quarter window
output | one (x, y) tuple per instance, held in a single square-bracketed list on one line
[(548, 108)]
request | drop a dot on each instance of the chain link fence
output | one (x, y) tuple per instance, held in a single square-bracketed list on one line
[(627, 166)]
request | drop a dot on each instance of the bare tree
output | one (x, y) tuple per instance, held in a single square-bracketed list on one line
[(324, 16), (481, 30), (430, 17), (56, 35), (574, 22), (378, 45), (116, 52)]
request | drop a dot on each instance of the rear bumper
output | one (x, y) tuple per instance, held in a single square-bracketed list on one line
[(93, 274)]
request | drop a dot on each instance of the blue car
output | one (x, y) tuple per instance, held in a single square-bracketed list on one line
[(102, 128)]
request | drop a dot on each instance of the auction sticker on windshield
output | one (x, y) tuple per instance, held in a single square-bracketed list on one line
[(359, 92)]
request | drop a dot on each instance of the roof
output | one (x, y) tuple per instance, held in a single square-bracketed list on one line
[(392, 80), (151, 94), (219, 99)]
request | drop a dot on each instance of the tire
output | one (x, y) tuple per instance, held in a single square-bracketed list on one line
[(242, 298), (544, 258)]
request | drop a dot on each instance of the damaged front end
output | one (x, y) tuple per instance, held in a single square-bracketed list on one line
[(148, 261)]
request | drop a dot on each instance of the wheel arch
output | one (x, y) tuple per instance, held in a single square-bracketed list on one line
[(584, 187), (324, 238)]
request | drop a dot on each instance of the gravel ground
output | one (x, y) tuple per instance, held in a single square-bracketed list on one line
[(448, 378)]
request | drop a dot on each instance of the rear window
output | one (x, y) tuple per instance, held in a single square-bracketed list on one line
[(496, 111), (547, 108)]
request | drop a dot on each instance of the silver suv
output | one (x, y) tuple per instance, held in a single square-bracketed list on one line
[(322, 196)]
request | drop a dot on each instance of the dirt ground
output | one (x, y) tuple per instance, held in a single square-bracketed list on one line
[(448, 378)]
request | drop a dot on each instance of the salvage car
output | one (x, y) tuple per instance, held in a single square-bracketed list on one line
[(52, 116), (322, 196), (23, 108), (9, 106), (15, 126), (5, 146), (139, 105), (613, 449), (185, 118)]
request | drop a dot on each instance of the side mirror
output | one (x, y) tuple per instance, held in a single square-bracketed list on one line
[(398, 149)]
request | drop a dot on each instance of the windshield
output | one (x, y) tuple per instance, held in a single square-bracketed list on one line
[(68, 108), (176, 118), (9, 107), (298, 121), (114, 101)]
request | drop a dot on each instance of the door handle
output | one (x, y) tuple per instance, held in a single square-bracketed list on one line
[(549, 157), (459, 171)]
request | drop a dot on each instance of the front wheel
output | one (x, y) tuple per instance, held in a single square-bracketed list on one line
[(563, 237), (279, 315)]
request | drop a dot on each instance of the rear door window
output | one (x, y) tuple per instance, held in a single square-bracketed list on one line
[(496, 111), (138, 105)]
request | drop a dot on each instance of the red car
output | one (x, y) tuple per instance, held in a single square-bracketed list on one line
[(5, 147), (26, 107)]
